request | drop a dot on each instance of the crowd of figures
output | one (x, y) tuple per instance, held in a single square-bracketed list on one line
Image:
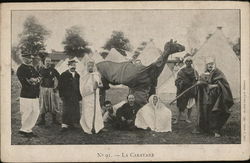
[(40, 90)]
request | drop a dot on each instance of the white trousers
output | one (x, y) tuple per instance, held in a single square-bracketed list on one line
[(29, 109)]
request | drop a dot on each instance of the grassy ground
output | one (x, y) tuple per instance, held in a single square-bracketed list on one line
[(50, 134)]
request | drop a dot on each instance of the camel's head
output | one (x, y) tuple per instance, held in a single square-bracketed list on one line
[(173, 47)]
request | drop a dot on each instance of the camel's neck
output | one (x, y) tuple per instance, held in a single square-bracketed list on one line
[(166, 54)]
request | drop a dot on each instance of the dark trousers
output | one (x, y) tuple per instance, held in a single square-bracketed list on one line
[(71, 112)]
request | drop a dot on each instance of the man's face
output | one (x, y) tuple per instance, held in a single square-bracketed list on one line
[(72, 67), (210, 66), (47, 62), (27, 60), (90, 67), (131, 99), (109, 108), (188, 63), (155, 100)]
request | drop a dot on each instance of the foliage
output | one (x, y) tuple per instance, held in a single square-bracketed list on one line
[(119, 42), (15, 55), (74, 43), (236, 48), (32, 39)]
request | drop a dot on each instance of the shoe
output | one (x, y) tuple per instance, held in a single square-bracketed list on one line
[(195, 131), (41, 123), (64, 129), (32, 135), (56, 122), (217, 135), (175, 122), (27, 134), (23, 133), (188, 121)]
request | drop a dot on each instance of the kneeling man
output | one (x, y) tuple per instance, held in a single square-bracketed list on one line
[(125, 115)]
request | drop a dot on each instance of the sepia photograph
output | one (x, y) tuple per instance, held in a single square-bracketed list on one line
[(126, 76), (121, 77)]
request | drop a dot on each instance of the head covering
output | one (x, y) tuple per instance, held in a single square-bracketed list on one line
[(72, 61), (150, 100), (188, 58), (27, 56), (103, 51)]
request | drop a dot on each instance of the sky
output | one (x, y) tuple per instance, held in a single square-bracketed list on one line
[(188, 27)]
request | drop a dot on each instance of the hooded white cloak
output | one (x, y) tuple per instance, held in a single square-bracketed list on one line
[(156, 117)]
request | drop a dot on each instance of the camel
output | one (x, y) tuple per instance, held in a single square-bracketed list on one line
[(141, 80)]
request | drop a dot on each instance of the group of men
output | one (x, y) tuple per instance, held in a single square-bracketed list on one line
[(39, 95), (210, 92), (42, 86)]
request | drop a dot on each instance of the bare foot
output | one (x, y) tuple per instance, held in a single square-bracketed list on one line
[(195, 131), (175, 122)]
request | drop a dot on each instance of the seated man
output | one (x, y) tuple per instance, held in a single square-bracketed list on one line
[(108, 115), (154, 116), (125, 115)]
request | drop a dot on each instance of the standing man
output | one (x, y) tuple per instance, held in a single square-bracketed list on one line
[(126, 114), (91, 117), (29, 97), (69, 92), (186, 77), (214, 100), (48, 96)]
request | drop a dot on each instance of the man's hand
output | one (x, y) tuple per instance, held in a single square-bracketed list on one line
[(95, 86), (211, 86), (123, 119)]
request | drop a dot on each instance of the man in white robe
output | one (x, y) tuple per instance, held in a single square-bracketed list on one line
[(154, 116), (91, 116)]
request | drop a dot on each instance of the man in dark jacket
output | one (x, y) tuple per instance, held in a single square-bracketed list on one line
[(126, 114), (29, 97), (48, 96), (69, 92), (186, 77)]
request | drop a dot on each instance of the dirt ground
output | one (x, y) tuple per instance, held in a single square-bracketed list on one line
[(181, 134)]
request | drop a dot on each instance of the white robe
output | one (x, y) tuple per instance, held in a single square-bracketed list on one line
[(87, 115), (157, 118)]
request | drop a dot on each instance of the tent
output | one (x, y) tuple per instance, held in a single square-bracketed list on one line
[(149, 54), (59, 64), (226, 60), (95, 56), (166, 88), (115, 56)]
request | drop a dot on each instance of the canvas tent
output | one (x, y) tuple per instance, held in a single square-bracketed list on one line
[(59, 64), (149, 54), (115, 56), (226, 60), (166, 88)]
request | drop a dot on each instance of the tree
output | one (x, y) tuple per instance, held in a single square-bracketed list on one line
[(74, 44), (119, 42), (15, 54), (236, 48), (32, 39)]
